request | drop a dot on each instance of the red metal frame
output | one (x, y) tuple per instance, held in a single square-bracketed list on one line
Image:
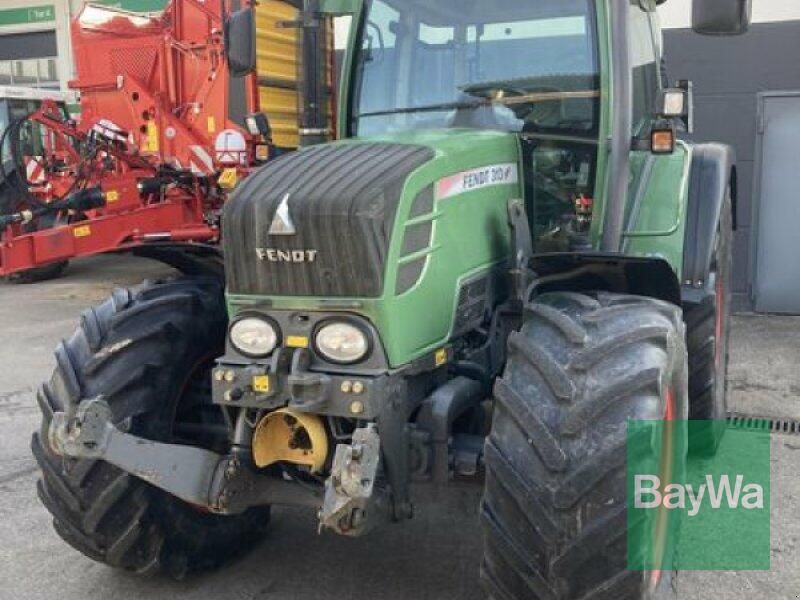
[(154, 94)]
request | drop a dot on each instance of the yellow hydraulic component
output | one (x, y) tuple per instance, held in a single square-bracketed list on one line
[(228, 179), (287, 436), (278, 69)]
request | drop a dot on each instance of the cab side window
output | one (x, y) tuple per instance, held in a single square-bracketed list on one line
[(645, 61)]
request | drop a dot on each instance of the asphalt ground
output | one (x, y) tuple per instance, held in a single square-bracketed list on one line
[(434, 557)]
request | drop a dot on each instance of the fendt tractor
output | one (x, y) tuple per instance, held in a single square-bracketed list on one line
[(167, 128), (509, 254)]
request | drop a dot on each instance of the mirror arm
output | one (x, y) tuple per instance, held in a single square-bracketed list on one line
[(340, 8)]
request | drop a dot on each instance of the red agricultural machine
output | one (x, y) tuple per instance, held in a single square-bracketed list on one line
[(168, 126)]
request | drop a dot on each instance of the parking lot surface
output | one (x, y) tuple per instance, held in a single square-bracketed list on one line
[(435, 557)]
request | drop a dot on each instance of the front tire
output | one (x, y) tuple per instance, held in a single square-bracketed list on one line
[(147, 352), (554, 512)]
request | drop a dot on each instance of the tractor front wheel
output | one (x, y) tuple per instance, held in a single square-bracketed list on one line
[(148, 352), (555, 507)]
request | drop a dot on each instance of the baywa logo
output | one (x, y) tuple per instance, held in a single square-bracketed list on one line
[(652, 493), (691, 510)]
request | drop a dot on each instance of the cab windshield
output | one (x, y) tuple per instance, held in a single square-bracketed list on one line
[(509, 65)]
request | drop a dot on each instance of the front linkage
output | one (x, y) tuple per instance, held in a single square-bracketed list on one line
[(223, 484), (369, 478)]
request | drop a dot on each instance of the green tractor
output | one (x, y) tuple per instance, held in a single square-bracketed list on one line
[(508, 255)]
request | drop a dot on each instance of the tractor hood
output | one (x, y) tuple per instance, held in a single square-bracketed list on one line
[(329, 221), (318, 222)]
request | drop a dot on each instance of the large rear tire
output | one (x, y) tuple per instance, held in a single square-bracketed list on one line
[(708, 341), (554, 512), (148, 353)]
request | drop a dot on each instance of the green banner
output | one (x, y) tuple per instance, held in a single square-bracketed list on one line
[(25, 16), (136, 5), (712, 515)]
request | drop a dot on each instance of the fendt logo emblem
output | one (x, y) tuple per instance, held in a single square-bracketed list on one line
[(282, 223), (274, 255)]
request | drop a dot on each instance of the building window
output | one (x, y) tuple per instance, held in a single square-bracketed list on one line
[(30, 72), (48, 71), (5, 73)]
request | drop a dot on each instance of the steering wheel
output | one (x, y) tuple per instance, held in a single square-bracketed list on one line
[(492, 90), (545, 113)]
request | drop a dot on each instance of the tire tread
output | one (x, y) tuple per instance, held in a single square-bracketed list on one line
[(558, 446), (129, 350)]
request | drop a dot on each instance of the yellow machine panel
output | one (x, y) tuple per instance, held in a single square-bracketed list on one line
[(287, 436), (277, 54)]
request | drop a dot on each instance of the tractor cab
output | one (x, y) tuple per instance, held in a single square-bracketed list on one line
[(453, 67)]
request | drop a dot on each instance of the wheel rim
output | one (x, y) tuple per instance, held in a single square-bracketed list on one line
[(200, 372), (666, 469), (719, 324)]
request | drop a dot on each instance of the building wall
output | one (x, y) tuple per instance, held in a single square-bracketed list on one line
[(27, 31), (36, 51), (728, 74)]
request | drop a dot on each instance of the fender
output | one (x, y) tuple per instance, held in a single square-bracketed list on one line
[(594, 271), (713, 171), (190, 259)]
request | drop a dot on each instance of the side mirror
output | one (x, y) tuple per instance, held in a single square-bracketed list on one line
[(240, 42), (721, 17)]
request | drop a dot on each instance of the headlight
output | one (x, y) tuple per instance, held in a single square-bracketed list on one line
[(341, 342), (253, 336)]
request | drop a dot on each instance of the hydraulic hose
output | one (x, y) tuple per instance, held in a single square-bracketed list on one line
[(17, 181), (80, 201)]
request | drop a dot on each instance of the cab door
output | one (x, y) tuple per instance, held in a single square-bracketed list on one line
[(654, 224)]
